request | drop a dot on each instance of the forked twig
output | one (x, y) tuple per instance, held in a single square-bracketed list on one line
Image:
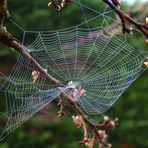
[(61, 103), (124, 17)]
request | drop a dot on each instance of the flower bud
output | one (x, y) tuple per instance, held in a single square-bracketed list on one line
[(146, 64), (106, 118), (129, 30), (146, 21), (35, 76), (54, 4), (112, 123), (77, 121), (64, 2), (109, 146)]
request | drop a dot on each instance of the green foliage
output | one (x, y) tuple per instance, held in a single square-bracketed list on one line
[(131, 108), (54, 135), (132, 111)]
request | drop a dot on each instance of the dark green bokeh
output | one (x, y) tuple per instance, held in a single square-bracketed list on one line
[(43, 131)]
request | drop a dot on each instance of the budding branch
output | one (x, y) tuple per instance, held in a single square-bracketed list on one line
[(124, 17), (8, 40)]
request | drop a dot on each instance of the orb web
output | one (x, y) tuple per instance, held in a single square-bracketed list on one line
[(95, 65)]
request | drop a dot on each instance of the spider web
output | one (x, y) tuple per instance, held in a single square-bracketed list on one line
[(94, 58)]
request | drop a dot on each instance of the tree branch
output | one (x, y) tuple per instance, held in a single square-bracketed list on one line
[(124, 17), (10, 41), (3, 11)]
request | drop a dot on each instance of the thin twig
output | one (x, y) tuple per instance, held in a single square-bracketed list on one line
[(10, 41), (61, 103), (124, 17)]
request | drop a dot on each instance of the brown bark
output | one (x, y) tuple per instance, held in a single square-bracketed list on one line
[(8, 40), (124, 17)]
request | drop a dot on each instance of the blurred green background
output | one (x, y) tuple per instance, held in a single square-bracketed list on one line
[(45, 130)]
